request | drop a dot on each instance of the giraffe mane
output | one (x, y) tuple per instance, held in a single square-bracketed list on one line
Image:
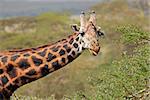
[(29, 49), (36, 48)]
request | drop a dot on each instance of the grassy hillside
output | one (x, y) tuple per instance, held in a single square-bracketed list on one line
[(118, 71), (127, 77)]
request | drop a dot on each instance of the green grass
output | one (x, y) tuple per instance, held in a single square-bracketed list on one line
[(46, 25), (118, 13), (122, 78), (122, 62)]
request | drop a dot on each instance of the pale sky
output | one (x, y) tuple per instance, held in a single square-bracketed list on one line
[(51, 0), (34, 7)]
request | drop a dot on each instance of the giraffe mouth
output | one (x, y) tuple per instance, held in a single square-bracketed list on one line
[(95, 53)]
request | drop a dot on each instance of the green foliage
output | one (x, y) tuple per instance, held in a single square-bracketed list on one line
[(51, 22), (132, 34), (20, 97), (122, 77), (118, 13), (49, 26)]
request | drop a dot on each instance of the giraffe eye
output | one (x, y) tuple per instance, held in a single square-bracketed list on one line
[(99, 33)]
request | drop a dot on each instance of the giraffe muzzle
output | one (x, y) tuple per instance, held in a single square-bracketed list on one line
[(95, 51)]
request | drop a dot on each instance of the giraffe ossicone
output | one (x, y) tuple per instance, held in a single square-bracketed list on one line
[(19, 67)]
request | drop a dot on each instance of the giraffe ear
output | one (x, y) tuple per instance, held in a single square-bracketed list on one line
[(75, 27)]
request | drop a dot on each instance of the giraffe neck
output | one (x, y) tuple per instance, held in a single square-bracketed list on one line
[(22, 67)]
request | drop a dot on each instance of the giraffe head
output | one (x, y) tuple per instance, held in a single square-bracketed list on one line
[(90, 33)]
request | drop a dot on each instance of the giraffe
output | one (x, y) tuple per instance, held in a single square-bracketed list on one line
[(20, 67)]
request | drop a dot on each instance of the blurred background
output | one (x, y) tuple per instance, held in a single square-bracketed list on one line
[(121, 70)]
